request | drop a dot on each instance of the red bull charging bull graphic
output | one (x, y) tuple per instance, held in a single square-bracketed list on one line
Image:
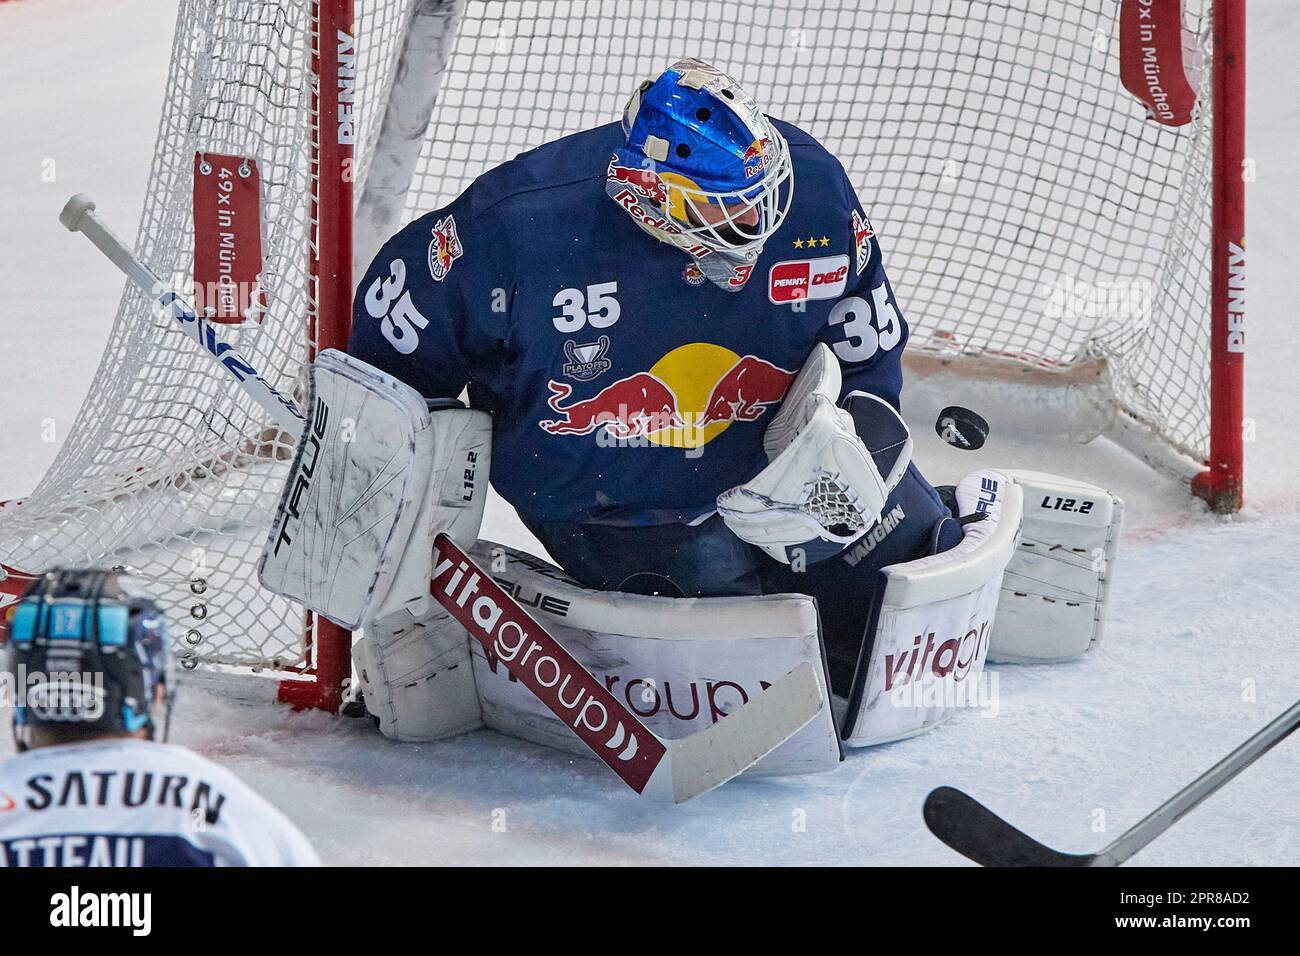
[(643, 182), (748, 389), (685, 400), (632, 406)]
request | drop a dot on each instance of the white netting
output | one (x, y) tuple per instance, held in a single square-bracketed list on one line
[(165, 469), (1026, 208)]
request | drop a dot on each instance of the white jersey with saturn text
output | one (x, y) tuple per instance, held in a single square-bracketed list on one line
[(127, 802)]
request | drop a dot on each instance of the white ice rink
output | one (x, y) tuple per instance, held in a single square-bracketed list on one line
[(1203, 638)]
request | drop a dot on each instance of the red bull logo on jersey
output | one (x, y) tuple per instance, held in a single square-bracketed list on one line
[(685, 400), (797, 279), (637, 405), (750, 387), (643, 182), (445, 248)]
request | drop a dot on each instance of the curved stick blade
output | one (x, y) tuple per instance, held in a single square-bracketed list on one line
[(979, 834)]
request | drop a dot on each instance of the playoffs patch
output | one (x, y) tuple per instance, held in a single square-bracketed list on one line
[(586, 361)]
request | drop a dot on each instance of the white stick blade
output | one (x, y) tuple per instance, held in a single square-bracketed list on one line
[(710, 758)]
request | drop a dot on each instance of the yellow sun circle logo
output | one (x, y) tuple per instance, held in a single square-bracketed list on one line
[(692, 371)]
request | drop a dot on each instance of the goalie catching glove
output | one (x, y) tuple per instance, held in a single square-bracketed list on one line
[(823, 486)]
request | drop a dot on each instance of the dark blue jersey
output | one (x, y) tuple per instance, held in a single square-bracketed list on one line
[(625, 388)]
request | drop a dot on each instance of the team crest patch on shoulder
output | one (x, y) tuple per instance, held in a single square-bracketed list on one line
[(445, 248), (862, 233)]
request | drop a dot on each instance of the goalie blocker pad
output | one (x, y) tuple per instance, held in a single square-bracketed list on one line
[(931, 622), (375, 476)]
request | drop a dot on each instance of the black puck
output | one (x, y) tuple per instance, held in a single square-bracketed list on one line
[(961, 428)]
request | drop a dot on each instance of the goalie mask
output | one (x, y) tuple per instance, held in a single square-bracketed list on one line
[(92, 650), (703, 169)]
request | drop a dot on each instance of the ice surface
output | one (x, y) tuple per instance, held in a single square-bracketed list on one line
[(1202, 640)]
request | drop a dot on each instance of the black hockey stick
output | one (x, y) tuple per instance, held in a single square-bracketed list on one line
[(978, 833)]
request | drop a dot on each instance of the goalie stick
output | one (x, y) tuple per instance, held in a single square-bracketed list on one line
[(979, 834), (652, 766)]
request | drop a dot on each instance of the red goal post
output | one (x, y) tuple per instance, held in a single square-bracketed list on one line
[(333, 148), (1221, 483)]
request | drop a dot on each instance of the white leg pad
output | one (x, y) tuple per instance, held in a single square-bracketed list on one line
[(930, 627), (417, 677), (1054, 594), (680, 664)]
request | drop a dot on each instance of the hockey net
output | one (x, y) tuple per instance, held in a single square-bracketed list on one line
[(1035, 224)]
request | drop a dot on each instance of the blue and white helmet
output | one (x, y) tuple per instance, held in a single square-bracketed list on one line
[(93, 650), (695, 139)]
